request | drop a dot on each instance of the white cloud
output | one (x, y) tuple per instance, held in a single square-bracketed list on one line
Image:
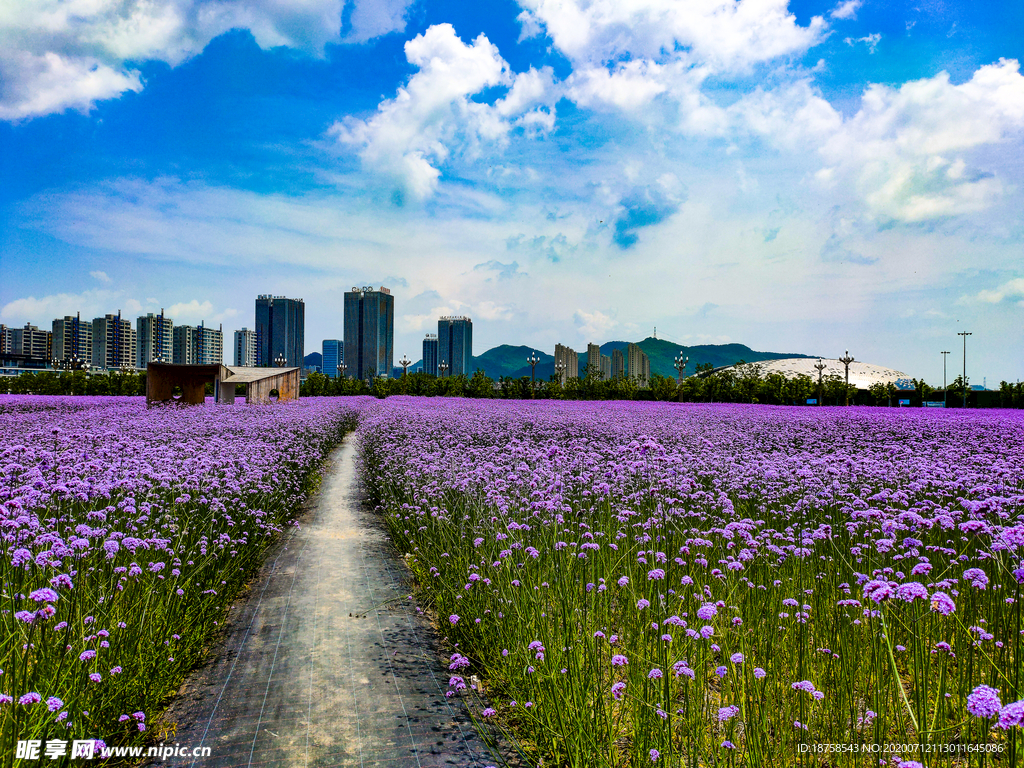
[(908, 150), (846, 9), (413, 134), (42, 310), (910, 153), (69, 54), (871, 41), (726, 35), (103, 277), (194, 312), (593, 325), (627, 53), (1010, 290)]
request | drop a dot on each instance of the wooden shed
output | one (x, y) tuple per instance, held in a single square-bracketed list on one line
[(162, 378)]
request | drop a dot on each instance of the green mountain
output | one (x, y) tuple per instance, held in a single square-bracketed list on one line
[(508, 360), (663, 354)]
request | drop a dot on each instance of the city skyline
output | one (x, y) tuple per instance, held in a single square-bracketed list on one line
[(806, 176)]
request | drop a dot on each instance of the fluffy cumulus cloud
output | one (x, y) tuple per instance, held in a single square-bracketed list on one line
[(413, 134), (69, 54), (910, 151), (626, 52), (42, 310)]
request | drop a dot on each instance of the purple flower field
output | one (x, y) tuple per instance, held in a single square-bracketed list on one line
[(640, 583), (124, 534)]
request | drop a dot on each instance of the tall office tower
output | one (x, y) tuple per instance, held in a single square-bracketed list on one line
[(594, 361), (184, 347), (34, 345), (639, 365), (113, 342), (72, 339), (333, 354), (618, 364), (5, 340), (455, 345), (430, 354), (209, 345), (570, 362), (245, 348), (606, 367), (154, 340), (369, 332), (280, 330)]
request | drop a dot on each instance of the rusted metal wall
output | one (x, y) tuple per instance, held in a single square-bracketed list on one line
[(161, 379)]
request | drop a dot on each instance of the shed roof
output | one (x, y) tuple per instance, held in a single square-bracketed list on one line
[(240, 375)]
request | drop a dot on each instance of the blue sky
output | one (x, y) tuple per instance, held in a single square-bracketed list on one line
[(810, 177)]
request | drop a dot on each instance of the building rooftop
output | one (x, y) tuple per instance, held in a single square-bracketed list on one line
[(862, 375)]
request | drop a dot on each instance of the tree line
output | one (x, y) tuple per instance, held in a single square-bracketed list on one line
[(745, 383)]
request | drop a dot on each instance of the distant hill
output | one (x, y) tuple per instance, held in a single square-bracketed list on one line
[(313, 359), (663, 354), (508, 360)]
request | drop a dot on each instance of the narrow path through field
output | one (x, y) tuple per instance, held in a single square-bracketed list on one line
[(327, 663)]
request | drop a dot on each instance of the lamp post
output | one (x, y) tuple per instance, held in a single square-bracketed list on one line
[(945, 396), (820, 367), (681, 365), (405, 362), (533, 360), (443, 368), (280, 360), (559, 369), (965, 335), (341, 370), (846, 360)]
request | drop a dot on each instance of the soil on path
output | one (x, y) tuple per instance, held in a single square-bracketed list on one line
[(327, 663)]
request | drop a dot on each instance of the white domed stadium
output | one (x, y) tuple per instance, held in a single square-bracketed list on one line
[(862, 375)]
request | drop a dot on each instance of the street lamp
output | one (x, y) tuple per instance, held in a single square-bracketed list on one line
[(820, 367), (681, 365), (443, 368), (945, 397), (559, 370), (846, 360), (341, 370), (405, 362), (965, 335), (533, 360), (280, 360)]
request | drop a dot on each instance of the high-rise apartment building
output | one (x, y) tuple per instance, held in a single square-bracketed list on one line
[(72, 339), (606, 367), (5, 340), (618, 364), (594, 361), (639, 365), (567, 364), (333, 353), (154, 336), (280, 330), (455, 345), (35, 346), (369, 348), (245, 348), (209, 345), (113, 342), (430, 354), (184, 351)]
